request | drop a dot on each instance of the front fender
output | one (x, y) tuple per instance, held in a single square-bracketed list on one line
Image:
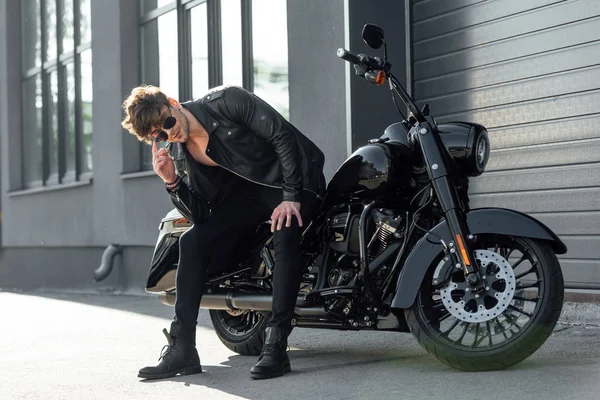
[(483, 220)]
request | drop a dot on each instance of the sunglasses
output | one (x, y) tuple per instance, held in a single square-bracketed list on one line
[(162, 136)]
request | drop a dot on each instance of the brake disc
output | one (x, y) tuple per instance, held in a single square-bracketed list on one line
[(465, 305)]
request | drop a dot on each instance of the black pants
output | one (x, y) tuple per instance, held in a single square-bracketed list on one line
[(214, 240)]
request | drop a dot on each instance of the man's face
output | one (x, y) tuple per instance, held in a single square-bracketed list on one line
[(174, 124)]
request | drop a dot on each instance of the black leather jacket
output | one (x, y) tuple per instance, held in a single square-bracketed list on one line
[(252, 140)]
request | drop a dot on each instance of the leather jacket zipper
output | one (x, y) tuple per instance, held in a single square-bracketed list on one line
[(264, 184), (182, 203)]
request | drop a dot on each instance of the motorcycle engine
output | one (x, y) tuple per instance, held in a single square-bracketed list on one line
[(384, 226)]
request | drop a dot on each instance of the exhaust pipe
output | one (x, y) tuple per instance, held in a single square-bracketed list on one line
[(246, 301)]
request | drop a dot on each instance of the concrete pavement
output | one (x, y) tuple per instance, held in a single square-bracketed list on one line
[(60, 346)]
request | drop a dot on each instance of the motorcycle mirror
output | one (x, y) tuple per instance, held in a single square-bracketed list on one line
[(373, 36)]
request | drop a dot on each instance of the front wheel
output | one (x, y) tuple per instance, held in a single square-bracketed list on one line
[(501, 326), (241, 331)]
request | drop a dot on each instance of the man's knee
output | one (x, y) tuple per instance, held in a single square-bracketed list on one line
[(287, 237), (196, 237)]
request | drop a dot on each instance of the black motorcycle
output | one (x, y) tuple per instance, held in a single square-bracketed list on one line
[(395, 247)]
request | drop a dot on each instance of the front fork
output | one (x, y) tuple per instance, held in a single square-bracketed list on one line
[(437, 161)]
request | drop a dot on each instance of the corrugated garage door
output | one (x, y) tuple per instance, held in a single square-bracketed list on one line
[(530, 72)]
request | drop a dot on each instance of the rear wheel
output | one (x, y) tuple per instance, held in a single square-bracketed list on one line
[(504, 324), (241, 331)]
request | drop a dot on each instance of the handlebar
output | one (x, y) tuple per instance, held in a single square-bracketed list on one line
[(372, 63), (346, 55), (361, 59)]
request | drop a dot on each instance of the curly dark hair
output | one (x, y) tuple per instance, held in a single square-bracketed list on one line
[(145, 108)]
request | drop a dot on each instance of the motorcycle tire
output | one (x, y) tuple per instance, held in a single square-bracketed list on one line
[(517, 339), (241, 331)]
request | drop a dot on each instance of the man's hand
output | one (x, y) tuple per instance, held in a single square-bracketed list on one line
[(285, 212), (163, 164)]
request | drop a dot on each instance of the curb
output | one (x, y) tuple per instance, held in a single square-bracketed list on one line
[(574, 313)]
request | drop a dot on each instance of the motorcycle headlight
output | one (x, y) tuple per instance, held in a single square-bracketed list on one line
[(482, 151), (468, 144)]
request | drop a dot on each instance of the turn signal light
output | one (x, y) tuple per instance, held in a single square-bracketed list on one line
[(180, 221), (463, 250)]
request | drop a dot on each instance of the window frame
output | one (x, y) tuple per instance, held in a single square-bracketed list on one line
[(57, 63), (184, 43)]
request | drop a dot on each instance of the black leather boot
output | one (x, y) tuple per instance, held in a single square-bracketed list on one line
[(178, 357), (274, 360)]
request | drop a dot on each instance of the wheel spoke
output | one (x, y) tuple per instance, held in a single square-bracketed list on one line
[(519, 310), (481, 339), (515, 265), (535, 284), (529, 271), (501, 327), (447, 333), (510, 320), (509, 253), (476, 334), (526, 299), (462, 335), (241, 324), (445, 317), (489, 329), (487, 334)]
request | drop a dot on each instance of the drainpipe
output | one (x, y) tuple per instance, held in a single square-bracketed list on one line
[(107, 264)]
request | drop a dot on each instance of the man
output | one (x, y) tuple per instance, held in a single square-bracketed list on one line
[(233, 163)]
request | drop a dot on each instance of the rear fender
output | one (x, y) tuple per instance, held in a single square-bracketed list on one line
[(428, 249), (161, 276)]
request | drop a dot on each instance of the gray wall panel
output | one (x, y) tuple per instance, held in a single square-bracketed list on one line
[(317, 77), (72, 269), (574, 176), (585, 199), (108, 218), (434, 8), (579, 80), (372, 106), (565, 129), (59, 268), (584, 247), (144, 202), (529, 72), (511, 70), (581, 273), (535, 43), (571, 223), (556, 13), (453, 25), (545, 155), (534, 111), (54, 218)]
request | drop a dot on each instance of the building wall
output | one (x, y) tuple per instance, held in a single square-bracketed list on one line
[(317, 81), (372, 108), (528, 71), (55, 238)]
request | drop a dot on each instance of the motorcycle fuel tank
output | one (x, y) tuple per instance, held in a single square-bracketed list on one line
[(372, 172)]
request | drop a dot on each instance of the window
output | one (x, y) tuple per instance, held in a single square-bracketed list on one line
[(270, 53), (189, 46), (57, 91)]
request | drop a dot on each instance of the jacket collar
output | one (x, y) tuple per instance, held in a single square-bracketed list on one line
[(202, 115)]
